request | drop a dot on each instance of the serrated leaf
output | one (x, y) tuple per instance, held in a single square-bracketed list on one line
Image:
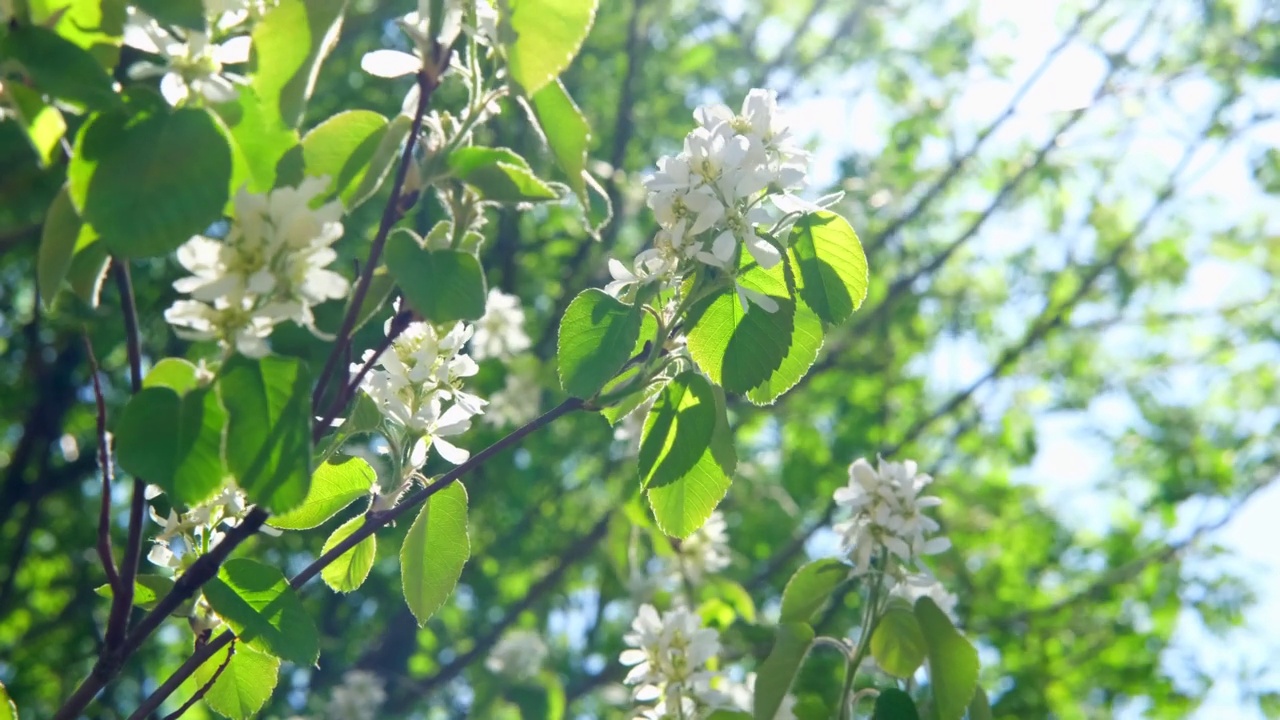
[(59, 67), (566, 131), (256, 601), (953, 661), (806, 341), (776, 673), (341, 148), (348, 571), (268, 444), (677, 430), (244, 686), (174, 440), (809, 588), (443, 285), (831, 265), (147, 590), (336, 484), (289, 44), (597, 335), (498, 174), (739, 349), (42, 122), (681, 457), (542, 37), (384, 157), (434, 552), (123, 163), (898, 643), (894, 704)]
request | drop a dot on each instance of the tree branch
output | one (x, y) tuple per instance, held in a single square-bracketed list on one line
[(204, 689), (104, 460)]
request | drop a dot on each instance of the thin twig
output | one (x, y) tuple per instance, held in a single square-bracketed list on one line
[(104, 460), (427, 84), (204, 689), (122, 599), (399, 324)]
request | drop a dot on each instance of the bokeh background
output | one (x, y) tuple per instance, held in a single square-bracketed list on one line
[(1072, 217)]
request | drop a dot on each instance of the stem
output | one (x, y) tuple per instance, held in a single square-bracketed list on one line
[(398, 325), (122, 599), (373, 521), (104, 459), (427, 84), (870, 618), (204, 689)]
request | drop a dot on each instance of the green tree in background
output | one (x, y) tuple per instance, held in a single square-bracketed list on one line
[(1045, 253)]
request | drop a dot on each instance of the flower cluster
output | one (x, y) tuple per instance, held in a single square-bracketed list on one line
[(709, 198), (270, 268), (668, 654), (705, 552), (887, 512), (184, 536), (192, 63), (418, 25), (418, 383), (359, 697), (518, 655), (500, 332)]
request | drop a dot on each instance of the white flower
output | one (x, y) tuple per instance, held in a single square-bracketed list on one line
[(500, 333), (886, 511), (192, 64), (418, 384), (706, 551), (518, 655), (197, 529), (668, 654), (914, 586), (394, 63), (650, 266), (226, 14), (359, 697), (271, 267)]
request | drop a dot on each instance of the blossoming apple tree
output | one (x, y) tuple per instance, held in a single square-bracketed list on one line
[(195, 152)]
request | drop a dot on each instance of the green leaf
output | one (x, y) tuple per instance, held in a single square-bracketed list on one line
[(566, 131), (894, 704), (93, 25), (953, 661), (147, 590), (363, 417), (176, 374), (245, 684), (831, 264), (810, 587), (124, 163), (384, 157), (775, 674), (336, 484), (898, 643), (268, 446), (174, 440), (258, 141), (806, 341), (542, 38), (88, 268), (597, 336), (341, 149), (434, 551), (42, 122), (498, 174), (8, 709), (979, 706), (738, 349), (729, 715), (256, 601), (683, 462), (289, 45), (677, 430), (60, 68), (349, 570), (62, 228), (183, 13), (443, 285)]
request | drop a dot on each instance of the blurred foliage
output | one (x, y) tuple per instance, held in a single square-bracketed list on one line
[(1052, 277)]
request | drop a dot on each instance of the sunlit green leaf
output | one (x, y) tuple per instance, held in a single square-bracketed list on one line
[(349, 570), (434, 551), (597, 335), (831, 266), (42, 122), (336, 484), (775, 674), (256, 601), (953, 661), (174, 440), (809, 589), (542, 37), (566, 131), (289, 45), (268, 443), (443, 285), (59, 67), (498, 174), (147, 590), (898, 644), (244, 685)]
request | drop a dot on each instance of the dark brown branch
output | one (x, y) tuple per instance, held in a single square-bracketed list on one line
[(122, 598), (371, 524), (104, 460), (399, 324), (204, 689), (391, 214)]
